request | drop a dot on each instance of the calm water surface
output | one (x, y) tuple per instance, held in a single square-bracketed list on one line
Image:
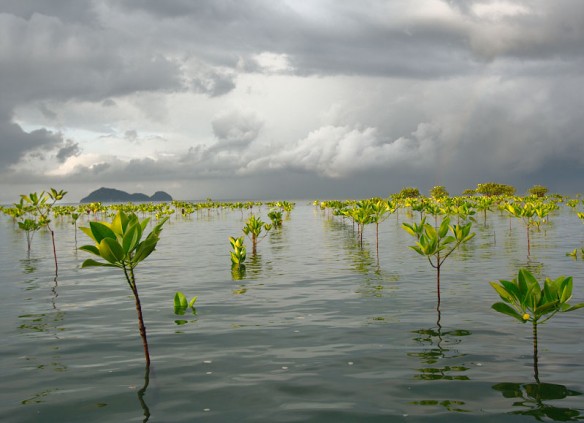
[(317, 331)]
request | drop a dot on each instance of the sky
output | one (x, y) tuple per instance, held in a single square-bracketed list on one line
[(290, 99)]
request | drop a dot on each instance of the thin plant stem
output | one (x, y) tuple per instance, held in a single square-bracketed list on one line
[(535, 353), (129, 272), (54, 251)]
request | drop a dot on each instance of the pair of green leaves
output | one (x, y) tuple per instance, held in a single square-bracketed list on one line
[(120, 242), (525, 300), (181, 304)]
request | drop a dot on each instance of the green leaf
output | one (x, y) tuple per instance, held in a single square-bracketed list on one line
[(408, 228), (192, 302), (131, 238), (448, 240), (90, 249), (87, 231), (144, 223), (417, 249), (444, 227), (575, 307), (101, 230), (566, 289), (144, 249), (503, 293), (513, 290), (180, 301), (93, 263), (111, 251), (506, 309), (546, 308), (117, 225)]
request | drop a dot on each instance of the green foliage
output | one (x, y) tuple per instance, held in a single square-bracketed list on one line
[(253, 229), (120, 242), (181, 304), (574, 253), (276, 217), (493, 189), (408, 192), (525, 300), (439, 191), (39, 206), (438, 243), (538, 191), (238, 255)]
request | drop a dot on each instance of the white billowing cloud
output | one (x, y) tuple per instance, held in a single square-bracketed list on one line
[(273, 62), (335, 152)]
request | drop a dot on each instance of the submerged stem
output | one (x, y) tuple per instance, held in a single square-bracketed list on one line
[(141, 393)]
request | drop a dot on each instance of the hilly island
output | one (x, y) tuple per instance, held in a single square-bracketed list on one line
[(111, 195)]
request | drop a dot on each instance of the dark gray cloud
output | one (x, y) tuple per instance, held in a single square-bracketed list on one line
[(69, 149), (16, 143)]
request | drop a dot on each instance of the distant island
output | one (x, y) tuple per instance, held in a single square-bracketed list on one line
[(111, 195)]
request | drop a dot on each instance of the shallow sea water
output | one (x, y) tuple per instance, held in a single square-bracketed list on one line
[(317, 331)]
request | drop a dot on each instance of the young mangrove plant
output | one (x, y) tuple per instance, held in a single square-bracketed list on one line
[(276, 217), (120, 244), (42, 204), (29, 226), (181, 304), (253, 229), (238, 254), (525, 300), (437, 244), (379, 211)]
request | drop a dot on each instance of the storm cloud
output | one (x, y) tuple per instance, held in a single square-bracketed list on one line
[(350, 98)]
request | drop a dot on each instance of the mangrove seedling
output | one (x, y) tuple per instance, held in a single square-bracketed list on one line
[(29, 226), (41, 204), (120, 244), (525, 300), (181, 304), (238, 254), (253, 229), (438, 244), (276, 218)]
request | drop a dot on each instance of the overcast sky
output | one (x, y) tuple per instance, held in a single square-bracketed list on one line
[(291, 99)]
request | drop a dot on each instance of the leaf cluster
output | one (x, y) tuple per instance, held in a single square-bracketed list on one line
[(120, 242), (181, 304), (255, 226), (438, 242), (525, 300), (238, 255)]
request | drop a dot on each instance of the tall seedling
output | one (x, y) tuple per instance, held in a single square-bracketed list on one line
[(120, 244), (253, 229), (438, 244), (42, 204), (525, 300)]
